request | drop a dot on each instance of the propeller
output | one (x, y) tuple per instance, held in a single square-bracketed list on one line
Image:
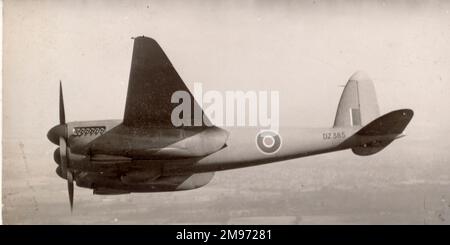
[(58, 135), (64, 150), (62, 113), (70, 188)]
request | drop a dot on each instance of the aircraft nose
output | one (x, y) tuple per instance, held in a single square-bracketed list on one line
[(56, 132)]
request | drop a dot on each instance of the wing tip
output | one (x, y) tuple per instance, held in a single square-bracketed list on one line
[(144, 38)]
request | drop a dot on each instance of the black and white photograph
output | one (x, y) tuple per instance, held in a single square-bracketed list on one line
[(230, 112)]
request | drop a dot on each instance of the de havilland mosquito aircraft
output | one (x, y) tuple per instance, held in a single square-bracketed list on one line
[(145, 152)]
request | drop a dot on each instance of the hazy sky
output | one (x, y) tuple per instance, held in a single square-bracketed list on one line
[(304, 50)]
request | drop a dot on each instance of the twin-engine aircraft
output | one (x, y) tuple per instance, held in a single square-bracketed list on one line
[(145, 152)]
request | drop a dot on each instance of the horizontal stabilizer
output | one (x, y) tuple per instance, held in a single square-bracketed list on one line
[(381, 132)]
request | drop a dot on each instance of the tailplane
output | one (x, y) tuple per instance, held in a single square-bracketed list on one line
[(381, 132), (358, 105)]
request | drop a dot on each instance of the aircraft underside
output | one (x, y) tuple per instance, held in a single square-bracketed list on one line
[(118, 184)]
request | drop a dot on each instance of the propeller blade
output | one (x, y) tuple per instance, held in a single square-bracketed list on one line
[(63, 155), (62, 114), (70, 188), (63, 150)]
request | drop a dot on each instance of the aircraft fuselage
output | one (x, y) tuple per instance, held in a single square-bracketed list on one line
[(109, 172)]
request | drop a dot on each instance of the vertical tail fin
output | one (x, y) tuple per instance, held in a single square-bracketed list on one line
[(358, 105)]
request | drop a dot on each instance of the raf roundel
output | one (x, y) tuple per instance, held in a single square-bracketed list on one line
[(268, 142)]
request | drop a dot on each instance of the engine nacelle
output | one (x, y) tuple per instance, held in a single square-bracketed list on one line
[(140, 176), (110, 184), (160, 144)]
